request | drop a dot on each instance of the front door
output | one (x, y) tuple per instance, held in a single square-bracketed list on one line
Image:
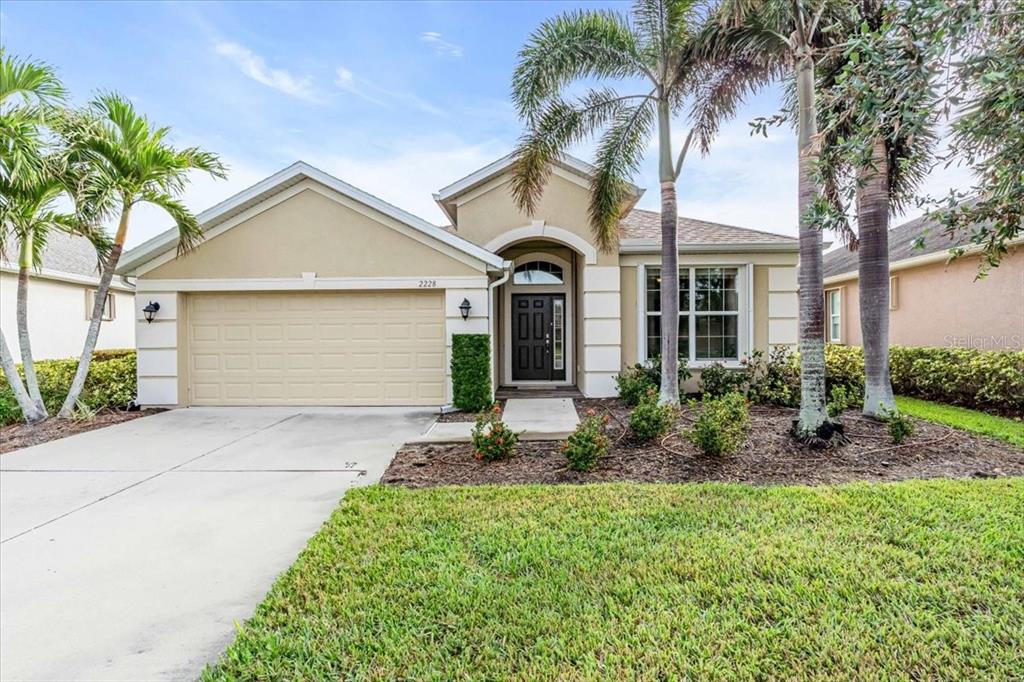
[(538, 337)]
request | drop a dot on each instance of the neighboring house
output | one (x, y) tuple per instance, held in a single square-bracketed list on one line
[(308, 290), (932, 302), (60, 300)]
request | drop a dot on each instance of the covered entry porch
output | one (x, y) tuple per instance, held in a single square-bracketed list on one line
[(556, 319)]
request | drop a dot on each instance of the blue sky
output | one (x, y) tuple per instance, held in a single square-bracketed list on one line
[(398, 99)]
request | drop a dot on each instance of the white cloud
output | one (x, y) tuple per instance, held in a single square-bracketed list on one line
[(364, 89), (255, 67), (411, 172), (440, 45)]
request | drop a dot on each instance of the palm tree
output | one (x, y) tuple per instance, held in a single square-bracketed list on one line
[(125, 162), (654, 49), (29, 185), (786, 35), (878, 117)]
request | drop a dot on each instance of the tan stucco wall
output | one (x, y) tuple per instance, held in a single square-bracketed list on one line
[(943, 305), (627, 285), (760, 336), (310, 232), (564, 205)]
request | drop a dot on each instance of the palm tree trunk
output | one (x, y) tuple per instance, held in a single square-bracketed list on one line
[(24, 344), (812, 295), (873, 275), (27, 405), (669, 261), (78, 383)]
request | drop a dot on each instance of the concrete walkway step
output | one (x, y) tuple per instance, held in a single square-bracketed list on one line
[(536, 418)]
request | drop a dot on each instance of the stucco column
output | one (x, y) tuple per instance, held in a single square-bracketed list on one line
[(158, 346), (602, 330)]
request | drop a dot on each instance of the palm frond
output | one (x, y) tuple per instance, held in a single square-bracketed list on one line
[(190, 232), (572, 46), (619, 156), (34, 82)]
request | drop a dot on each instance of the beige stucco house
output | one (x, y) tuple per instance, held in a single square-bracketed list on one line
[(932, 302), (60, 301), (308, 290)]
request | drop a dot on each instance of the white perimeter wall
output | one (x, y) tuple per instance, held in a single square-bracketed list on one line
[(57, 322)]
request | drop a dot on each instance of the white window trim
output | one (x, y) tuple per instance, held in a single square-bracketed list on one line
[(90, 301), (838, 314), (744, 314)]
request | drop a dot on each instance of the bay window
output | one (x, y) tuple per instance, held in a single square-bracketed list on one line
[(709, 313)]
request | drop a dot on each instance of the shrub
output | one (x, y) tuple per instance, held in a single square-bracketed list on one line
[(775, 380), (844, 367), (492, 439), (716, 380), (899, 425), (471, 371), (650, 420), (842, 398), (633, 383), (111, 383), (653, 368), (982, 379), (587, 443), (721, 424)]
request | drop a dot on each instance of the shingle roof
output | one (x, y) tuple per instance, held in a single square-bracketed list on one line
[(901, 246), (641, 224), (65, 253)]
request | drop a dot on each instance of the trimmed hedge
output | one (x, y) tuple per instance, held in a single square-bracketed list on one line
[(111, 383), (471, 371), (982, 379)]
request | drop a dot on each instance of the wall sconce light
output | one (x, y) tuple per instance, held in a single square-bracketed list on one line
[(464, 307), (150, 310)]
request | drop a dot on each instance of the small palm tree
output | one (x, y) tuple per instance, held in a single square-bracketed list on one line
[(786, 36), (124, 162), (655, 50), (30, 183)]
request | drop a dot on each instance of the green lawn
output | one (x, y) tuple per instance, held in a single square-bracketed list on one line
[(914, 580), (1008, 430)]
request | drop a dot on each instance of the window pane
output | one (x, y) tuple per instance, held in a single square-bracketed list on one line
[(717, 289), (653, 336), (559, 334), (654, 289), (717, 337), (537, 272)]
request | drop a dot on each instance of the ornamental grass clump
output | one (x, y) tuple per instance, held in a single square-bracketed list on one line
[(492, 438), (587, 443), (721, 424), (650, 420)]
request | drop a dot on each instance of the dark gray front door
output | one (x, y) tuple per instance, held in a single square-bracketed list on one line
[(534, 337)]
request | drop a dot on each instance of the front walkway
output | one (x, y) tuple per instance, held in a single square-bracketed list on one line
[(536, 418), (131, 551)]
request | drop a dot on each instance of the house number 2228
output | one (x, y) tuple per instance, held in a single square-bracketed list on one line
[(428, 283)]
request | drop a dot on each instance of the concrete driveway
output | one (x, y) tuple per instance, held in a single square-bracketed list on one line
[(128, 553)]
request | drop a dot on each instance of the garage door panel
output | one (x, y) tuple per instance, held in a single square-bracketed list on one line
[(332, 348)]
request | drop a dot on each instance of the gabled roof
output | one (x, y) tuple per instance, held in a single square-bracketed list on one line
[(842, 261), (279, 182), (640, 228), (446, 195)]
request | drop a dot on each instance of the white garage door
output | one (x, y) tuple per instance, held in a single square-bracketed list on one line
[(324, 348)]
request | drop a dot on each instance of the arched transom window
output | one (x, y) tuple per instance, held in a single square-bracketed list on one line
[(538, 272)]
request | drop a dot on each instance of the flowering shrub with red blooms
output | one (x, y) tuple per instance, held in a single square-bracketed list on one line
[(492, 439), (587, 443)]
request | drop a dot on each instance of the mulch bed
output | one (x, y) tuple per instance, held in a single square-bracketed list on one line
[(769, 457), (17, 436)]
